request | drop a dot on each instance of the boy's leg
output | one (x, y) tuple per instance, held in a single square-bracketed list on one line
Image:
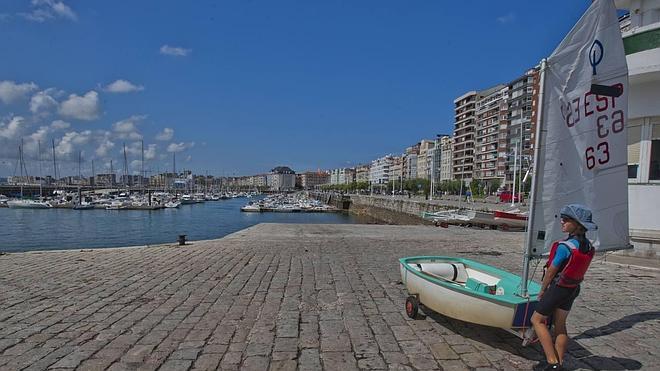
[(561, 343), (545, 338)]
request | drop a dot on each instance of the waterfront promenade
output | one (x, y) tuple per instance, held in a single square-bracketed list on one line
[(292, 296)]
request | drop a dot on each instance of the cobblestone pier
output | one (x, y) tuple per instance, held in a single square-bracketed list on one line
[(289, 296)]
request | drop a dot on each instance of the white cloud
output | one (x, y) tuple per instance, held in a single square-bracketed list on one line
[(11, 91), (127, 128), (150, 152), (510, 17), (41, 134), (165, 135), (71, 142), (179, 147), (59, 124), (44, 10), (31, 142), (135, 150), (85, 108), (174, 51), (188, 158), (43, 103), (105, 144), (123, 86), (135, 166), (12, 128)]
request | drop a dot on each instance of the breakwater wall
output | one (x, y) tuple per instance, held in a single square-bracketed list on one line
[(386, 209)]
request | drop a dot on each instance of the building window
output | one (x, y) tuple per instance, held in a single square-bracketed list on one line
[(654, 165), (634, 142)]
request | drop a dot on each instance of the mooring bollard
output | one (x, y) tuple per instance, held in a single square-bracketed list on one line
[(182, 239)]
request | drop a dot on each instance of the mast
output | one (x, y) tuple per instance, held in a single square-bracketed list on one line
[(93, 175), (79, 170), (20, 164), (515, 167), (529, 237), (142, 168), (125, 167), (54, 163), (112, 172), (41, 193)]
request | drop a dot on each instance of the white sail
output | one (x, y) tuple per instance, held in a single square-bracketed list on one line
[(582, 154)]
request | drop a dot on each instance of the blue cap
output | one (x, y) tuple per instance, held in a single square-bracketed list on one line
[(581, 214)]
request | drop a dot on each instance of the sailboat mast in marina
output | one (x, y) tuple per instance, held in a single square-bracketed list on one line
[(579, 157), (25, 203)]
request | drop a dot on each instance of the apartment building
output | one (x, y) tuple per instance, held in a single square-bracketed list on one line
[(410, 162), (281, 178), (491, 138), (446, 158), (424, 159), (311, 179), (342, 176), (464, 131), (521, 103), (362, 173), (396, 170), (379, 172)]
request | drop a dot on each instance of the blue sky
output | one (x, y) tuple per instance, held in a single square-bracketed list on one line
[(239, 87)]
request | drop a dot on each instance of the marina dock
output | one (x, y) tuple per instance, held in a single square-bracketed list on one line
[(292, 296)]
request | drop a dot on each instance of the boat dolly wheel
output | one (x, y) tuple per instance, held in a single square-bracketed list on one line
[(412, 306)]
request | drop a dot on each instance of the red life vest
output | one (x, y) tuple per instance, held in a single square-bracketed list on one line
[(576, 266)]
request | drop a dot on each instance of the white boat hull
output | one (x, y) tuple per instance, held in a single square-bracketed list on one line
[(457, 305), (474, 292), (28, 204)]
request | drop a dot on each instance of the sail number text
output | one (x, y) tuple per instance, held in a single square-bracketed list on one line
[(609, 120)]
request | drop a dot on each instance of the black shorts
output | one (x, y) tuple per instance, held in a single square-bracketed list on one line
[(557, 297)]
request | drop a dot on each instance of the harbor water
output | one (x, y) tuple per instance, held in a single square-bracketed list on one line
[(56, 229)]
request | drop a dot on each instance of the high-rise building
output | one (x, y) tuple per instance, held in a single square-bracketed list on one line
[(446, 158), (424, 158), (396, 170), (464, 130), (379, 172), (519, 131), (491, 115), (410, 162)]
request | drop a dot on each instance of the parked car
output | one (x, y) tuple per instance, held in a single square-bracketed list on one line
[(505, 196)]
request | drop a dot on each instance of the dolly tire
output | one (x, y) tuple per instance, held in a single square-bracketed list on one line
[(412, 306)]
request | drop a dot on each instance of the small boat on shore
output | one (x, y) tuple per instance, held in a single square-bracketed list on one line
[(467, 290), (510, 219)]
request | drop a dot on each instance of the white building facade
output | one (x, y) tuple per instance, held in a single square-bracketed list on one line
[(379, 172), (641, 38)]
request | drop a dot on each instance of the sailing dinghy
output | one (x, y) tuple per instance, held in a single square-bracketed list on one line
[(579, 157)]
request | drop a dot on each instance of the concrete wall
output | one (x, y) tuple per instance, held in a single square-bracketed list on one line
[(644, 221), (385, 209)]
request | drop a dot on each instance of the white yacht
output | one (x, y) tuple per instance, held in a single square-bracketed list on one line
[(28, 204), (172, 204)]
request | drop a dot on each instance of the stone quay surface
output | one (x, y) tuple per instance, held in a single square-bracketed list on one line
[(290, 296)]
